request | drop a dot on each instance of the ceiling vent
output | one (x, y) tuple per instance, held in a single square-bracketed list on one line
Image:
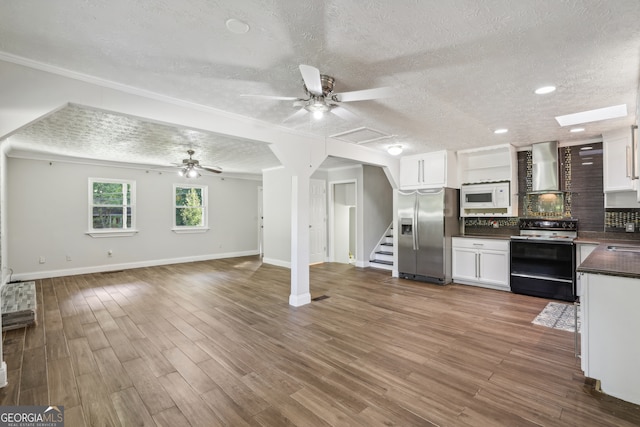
[(362, 135)]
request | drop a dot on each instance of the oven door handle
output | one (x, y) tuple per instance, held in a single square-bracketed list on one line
[(533, 276)]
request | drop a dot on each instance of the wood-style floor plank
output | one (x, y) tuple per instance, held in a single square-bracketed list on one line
[(216, 343)]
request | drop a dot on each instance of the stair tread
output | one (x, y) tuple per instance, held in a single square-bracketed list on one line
[(380, 261), (384, 252), (386, 244)]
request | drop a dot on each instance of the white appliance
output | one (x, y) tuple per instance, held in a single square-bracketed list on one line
[(490, 198)]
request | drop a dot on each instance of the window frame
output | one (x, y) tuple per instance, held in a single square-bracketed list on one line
[(111, 232), (204, 206)]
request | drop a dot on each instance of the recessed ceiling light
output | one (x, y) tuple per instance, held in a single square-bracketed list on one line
[(394, 150), (237, 26), (502, 130), (574, 130), (593, 115), (544, 90)]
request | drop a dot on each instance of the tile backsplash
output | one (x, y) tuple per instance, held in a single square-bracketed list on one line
[(617, 219)]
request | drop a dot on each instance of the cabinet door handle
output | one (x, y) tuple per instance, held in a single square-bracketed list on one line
[(634, 152), (479, 268), (629, 161)]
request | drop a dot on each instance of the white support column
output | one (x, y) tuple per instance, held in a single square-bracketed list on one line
[(299, 241)]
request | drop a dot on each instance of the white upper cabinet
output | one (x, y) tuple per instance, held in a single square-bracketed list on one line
[(428, 170), (488, 164), (620, 166)]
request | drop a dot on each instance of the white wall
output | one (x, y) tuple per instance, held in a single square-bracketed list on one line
[(277, 216), (47, 216)]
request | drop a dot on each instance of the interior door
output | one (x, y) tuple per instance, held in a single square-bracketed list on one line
[(317, 221)]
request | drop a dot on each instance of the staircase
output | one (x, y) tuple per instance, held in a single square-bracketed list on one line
[(382, 256)]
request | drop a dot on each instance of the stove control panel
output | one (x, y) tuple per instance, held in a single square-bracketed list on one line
[(548, 224)]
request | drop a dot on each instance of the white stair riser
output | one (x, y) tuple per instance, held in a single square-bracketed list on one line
[(383, 257), (381, 266)]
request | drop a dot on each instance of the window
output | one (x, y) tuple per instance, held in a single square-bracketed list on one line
[(111, 207), (190, 208)]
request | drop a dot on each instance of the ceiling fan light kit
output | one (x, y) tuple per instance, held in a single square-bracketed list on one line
[(320, 98), (190, 168)]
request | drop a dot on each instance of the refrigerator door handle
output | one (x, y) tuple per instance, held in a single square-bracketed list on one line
[(415, 225)]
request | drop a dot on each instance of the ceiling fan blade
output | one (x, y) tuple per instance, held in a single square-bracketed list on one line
[(277, 98), (344, 114), (300, 113), (363, 95), (311, 77), (210, 169)]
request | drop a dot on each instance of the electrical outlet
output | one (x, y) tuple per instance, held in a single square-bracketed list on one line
[(68, 257), (630, 227), (42, 260), (110, 252)]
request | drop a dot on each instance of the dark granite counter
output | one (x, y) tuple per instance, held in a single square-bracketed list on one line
[(614, 263), (483, 236)]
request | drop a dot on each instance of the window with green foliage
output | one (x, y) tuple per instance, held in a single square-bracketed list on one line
[(190, 203), (111, 204)]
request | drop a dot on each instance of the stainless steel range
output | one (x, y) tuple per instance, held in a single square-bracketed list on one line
[(543, 258)]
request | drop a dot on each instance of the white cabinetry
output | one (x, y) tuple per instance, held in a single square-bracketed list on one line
[(610, 344), (481, 262), (490, 164), (619, 166), (582, 252), (428, 170)]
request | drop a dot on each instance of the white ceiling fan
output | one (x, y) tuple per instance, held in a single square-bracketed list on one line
[(320, 98), (190, 168)]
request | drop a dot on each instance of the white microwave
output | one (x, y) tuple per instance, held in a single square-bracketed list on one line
[(485, 195)]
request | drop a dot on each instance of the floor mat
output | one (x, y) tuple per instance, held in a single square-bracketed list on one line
[(558, 316)]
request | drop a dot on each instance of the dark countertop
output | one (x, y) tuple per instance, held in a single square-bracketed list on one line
[(613, 263), (483, 236)]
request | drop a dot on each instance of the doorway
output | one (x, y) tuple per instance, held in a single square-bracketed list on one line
[(317, 221), (260, 223), (343, 227)]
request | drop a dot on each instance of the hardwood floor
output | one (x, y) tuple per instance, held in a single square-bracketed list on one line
[(216, 343)]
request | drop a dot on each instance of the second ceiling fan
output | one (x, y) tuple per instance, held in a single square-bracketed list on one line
[(320, 98)]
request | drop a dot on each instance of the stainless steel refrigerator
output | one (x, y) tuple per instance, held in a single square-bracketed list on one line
[(427, 219)]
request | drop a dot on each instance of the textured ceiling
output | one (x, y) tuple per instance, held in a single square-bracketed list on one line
[(82, 132), (459, 69)]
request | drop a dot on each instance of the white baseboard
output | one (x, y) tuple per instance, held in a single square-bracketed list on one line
[(362, 264), (277, 262), (125, 266), (299, 300)]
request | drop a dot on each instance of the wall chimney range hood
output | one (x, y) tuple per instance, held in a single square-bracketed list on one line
[(545, 167)]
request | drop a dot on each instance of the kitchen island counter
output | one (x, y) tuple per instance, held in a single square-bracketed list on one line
[(620, 262)]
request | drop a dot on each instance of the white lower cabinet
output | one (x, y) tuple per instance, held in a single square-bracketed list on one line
[(481, 262), (610, 344), (582, 252)]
